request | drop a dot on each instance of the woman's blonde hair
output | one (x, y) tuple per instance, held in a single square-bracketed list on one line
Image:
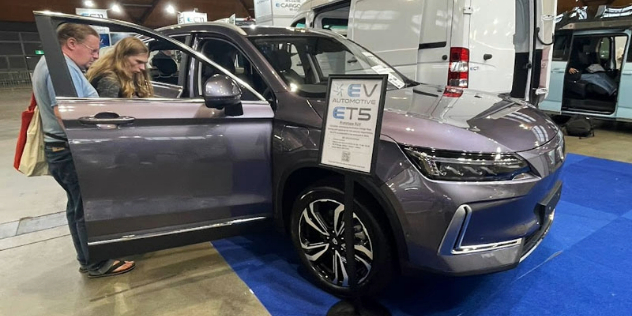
[(115, 62)]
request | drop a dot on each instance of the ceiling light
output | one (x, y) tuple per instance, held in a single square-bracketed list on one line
[(116, 8), (170, 9), (88, 3)]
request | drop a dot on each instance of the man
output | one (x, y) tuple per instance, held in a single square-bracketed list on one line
[(80, 46)]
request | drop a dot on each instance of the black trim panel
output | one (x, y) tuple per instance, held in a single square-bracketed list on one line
[(433, 45)]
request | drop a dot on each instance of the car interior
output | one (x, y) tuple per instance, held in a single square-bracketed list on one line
[(596, 65), (231, 59)]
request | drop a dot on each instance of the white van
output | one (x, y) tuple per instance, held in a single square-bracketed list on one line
[(486, 45)]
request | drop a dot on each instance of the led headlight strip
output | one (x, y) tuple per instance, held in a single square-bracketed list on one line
[(467, 166)]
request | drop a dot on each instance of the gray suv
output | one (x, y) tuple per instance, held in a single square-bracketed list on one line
[(466, 182)]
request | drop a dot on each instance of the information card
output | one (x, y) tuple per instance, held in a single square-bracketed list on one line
[(353, 120)]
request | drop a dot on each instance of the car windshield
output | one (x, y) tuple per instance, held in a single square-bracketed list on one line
[(306, 62)]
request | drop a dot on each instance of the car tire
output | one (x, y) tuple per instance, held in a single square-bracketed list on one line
[(317, 251)]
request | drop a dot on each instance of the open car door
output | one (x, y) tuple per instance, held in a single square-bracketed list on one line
[(162, 172)]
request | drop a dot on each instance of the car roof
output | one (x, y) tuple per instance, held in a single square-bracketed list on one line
[(252, 30)]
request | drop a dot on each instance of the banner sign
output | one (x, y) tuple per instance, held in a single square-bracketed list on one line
[(191, 17), (353, 120), (95, 13), (286, 7)]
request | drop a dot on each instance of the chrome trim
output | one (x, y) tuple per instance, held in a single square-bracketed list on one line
[(546, 232), (453, 233), (486, 247), (179, 231), (125, 100), (466, 222), (453, 238)]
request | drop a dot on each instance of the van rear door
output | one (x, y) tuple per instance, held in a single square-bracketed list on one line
[(390, 29), (491, 44), (434, 41)]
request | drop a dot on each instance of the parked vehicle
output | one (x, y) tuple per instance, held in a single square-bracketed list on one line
[(466, 183), (482, 45), (591, 71)]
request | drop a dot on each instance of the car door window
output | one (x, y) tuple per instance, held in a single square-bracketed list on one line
[(166, 63), (229, 57)]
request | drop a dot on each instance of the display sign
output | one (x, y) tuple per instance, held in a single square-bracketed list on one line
[(286, 7), (95, 13), (263, 8), (353, 121), (191, 17)]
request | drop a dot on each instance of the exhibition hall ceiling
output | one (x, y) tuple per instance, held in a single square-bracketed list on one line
[(153, 13)]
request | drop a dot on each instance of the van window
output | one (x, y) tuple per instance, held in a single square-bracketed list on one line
[(335, 24), (299, 24), (561, 48)]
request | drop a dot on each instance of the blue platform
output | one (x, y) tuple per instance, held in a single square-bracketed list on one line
[(583, 267)]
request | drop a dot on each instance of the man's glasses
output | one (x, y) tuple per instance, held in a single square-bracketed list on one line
[(92, 50)]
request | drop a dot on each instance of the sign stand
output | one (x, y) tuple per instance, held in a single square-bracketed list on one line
[(350, 134)]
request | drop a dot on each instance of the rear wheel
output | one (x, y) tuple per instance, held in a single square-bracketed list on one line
[(317, 230)]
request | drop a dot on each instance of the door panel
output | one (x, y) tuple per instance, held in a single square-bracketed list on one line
[(178, 164), (553, 101), (157, 173), (624, 102), (491, 45)]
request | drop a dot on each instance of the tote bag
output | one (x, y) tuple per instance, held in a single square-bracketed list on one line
[(33, 160)]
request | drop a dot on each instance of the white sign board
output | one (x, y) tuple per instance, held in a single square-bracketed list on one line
[(352, 123), (263, 8), (286, 7), (276, 12), (191, 17), (95, 13)]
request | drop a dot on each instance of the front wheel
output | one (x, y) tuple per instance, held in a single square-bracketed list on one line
[(317, 230)]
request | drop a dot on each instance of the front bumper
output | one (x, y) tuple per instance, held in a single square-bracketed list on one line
[(476, 227), (460, 259)]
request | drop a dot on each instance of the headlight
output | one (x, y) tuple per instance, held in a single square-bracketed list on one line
[(463, 166)]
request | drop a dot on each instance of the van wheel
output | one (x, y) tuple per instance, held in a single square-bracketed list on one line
[(317, 232)]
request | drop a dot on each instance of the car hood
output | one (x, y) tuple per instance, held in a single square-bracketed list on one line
[(474, 121)]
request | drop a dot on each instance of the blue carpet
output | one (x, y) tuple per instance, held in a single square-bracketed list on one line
[(583, 267)]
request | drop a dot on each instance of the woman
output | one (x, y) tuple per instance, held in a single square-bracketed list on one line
[(122, 72)]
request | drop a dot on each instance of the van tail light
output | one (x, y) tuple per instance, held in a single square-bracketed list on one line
[(459, 71)]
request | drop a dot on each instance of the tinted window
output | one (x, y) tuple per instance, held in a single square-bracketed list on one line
[(306, 62), (300, 23), (561, 47)]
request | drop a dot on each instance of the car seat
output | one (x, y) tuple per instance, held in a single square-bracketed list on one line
[(282, 61), (167, 68)]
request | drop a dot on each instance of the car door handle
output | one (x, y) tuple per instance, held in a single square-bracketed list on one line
[(626, 73), (106, 118), (558, 71)]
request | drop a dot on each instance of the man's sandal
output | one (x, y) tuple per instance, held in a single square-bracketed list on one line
[(111, 270)]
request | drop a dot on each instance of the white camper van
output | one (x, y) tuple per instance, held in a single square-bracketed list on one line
[(487, 45)]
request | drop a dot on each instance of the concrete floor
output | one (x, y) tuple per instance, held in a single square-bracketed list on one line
[(39, 276)]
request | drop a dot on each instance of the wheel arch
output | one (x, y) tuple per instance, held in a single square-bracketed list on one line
[(298, 179)]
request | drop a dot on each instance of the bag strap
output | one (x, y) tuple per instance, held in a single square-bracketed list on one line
[(57, 137)]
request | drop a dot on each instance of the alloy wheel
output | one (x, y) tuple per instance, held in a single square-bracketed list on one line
[(321, 233)]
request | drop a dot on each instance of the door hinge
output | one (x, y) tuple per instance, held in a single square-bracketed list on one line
[(468, 10)]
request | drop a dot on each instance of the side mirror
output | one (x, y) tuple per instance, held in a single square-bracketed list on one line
[(221, 92)]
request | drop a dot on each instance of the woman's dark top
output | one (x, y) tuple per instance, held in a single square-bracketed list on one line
[(107, 86)]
